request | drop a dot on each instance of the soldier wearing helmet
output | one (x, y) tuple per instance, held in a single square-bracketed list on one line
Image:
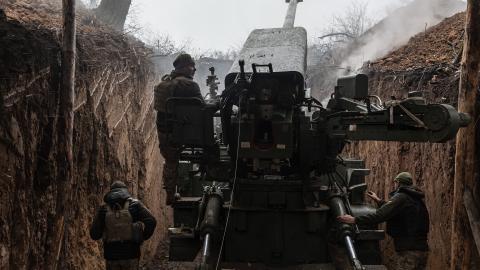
[(123, 223), (407, 222), (179, 83)]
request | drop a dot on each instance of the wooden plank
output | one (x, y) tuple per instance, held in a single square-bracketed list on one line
[(64, 130), (466, 145)]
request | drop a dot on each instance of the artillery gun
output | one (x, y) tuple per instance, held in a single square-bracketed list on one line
[(266, 190)]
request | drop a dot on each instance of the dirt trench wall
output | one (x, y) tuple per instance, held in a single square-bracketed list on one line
[(114, 135), (431, 164)]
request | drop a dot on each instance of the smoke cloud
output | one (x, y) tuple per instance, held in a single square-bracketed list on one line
[(397, 28)]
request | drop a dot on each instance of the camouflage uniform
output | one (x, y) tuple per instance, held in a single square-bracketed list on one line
[(177, 84), (170, 166)]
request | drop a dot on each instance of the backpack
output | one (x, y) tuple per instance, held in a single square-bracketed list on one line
[(118, 224), (163, 91)]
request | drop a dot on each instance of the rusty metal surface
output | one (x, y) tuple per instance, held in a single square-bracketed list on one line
[(285, 48)]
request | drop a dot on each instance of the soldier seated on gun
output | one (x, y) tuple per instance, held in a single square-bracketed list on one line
[(179, 83), (407, 222), (124, 223)]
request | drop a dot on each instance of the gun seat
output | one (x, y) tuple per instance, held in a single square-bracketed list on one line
[(191, 121)]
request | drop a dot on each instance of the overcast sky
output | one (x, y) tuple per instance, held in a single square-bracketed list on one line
[(225, 24)]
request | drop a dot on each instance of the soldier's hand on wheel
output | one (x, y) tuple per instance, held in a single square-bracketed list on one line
[(346, 219), (373, 196)]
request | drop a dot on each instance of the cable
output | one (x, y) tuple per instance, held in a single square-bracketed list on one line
[(233, 189)]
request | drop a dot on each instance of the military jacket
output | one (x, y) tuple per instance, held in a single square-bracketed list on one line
[(175, 85), (123, 250), (406, 216)]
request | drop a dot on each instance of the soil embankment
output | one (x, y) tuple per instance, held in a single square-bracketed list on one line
[(428, 63), (114, 134)]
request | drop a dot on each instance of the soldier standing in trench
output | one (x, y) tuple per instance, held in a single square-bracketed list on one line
[(407, 222), (179, 83), (124, 223)]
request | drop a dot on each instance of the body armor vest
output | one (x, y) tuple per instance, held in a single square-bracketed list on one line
[(412, 221), (118, 224)]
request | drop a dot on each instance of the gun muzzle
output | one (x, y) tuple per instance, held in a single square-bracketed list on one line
[(291, 13), (465, 119)]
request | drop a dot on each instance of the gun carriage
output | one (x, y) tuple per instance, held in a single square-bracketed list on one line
[(266, 189)]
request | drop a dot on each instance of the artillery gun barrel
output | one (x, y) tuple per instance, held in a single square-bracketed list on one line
[(291, 12)]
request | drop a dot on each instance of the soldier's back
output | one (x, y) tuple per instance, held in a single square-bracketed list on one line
[(186, 87)]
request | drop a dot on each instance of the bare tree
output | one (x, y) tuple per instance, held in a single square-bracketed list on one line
[(229, 54), (344, 32), (330, 49), (113, 12), (93, 3), (353, 23), (164, 44)]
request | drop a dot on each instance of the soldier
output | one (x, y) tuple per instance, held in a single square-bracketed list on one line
[(179, 83), (407, 222), (123, 223)]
